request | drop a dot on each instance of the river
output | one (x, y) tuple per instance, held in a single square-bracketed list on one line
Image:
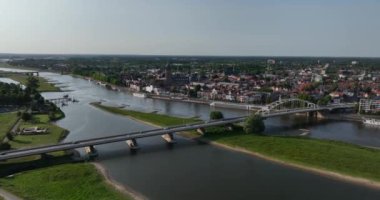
[(197, 171)]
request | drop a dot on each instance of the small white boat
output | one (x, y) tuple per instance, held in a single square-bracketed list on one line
[(139, 94), (375, 122)]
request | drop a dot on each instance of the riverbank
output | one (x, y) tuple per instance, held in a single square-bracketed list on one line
[(328, 158), (332, 159), (151, 118), (65, 181), (45, 86), (121, 188), (5, 195), (54, 176)]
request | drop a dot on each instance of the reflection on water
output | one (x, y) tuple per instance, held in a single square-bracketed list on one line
[(197, 171)]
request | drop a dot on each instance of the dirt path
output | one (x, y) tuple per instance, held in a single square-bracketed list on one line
[(15, 126)]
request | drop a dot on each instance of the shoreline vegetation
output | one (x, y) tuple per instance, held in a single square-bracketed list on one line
[(45, 86), (333, 159), (152, 118)]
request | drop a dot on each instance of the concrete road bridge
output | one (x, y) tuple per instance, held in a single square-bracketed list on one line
[(278, 108)]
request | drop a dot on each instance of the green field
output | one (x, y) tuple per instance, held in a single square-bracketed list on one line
[(55, 133), (157, 119), (7, 120), (52, 179), (44, 85), (322, 154), (67, 181)]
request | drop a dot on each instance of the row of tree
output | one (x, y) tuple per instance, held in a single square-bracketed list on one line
[(254, 124), (12, 94)]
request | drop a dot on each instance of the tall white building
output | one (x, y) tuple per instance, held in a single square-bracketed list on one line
[(369, 105)]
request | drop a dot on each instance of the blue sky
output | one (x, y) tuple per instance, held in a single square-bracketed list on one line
[(192, 27)]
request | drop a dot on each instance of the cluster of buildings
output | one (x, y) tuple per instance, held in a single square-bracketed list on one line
[(314, 82)]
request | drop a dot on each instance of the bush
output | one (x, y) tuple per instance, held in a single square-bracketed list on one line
[(215, 115), (5, 146), (254, 124), (9, 136), (26, 116)]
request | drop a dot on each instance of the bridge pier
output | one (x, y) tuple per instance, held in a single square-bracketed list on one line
[(320, 115), (91, 151), (169, 138), (315, 114), (132, 143), (201, 131), (311, 114)]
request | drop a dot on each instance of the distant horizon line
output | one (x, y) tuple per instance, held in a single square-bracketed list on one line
[(181, 55)]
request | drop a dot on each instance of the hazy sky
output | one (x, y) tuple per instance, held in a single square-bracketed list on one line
[(192, 27)]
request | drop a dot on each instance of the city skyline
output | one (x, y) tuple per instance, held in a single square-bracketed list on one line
[(196, 28)]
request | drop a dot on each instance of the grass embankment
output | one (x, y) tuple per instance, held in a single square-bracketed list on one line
[(53, 178), (67, 181), (154, 118), (7, 120), (44, 85), (326, 155)]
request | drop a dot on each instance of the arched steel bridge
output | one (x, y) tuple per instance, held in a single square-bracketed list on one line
[(294, 105), (285, 105), (278, 108)]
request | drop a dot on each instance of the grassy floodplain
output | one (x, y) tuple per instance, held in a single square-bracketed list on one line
[(154, 118), (54, 178), (22, 78), (67, 181), (325, 155), (54, 135), (44, 85)]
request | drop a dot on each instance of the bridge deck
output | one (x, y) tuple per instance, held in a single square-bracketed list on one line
[(149, 133), (111, 139)]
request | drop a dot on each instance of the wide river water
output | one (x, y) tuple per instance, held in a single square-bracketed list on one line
[(198, 171)]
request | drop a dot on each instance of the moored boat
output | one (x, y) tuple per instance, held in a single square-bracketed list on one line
[(375, 122), (139, 94)]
